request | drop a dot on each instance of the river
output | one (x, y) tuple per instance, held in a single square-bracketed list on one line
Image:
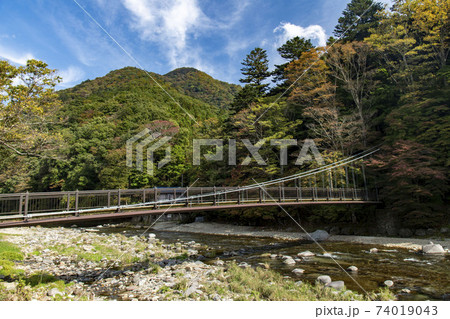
[(426, 277)]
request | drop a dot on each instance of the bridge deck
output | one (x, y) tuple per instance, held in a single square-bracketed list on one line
[(105, 215)]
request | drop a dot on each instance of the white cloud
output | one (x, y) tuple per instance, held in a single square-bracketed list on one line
[(13, 56), (289, 31), (169, 23), (71, 74)]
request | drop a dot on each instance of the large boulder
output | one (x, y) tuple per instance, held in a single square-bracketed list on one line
[(338, 285), (433, 249), (324, 279), (319, 235)]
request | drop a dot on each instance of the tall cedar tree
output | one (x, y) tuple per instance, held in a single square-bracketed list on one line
[(349, 28), (256, 69), (291, 51)]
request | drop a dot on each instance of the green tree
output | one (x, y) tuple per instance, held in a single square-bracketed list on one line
[(244, 98), (349, 28), (290, 51), (256, 69), (28, 102)]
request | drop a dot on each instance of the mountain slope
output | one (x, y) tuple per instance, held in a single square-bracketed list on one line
[(100, 115), (202, 86)]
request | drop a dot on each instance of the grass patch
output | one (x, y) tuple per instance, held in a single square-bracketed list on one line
[(8, 254), (39, 279), (99, 252), (259, 284)]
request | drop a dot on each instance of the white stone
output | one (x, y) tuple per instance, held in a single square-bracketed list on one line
[(433, 249), (352, 269), (298, 271), (306, 254), (289, 261), (324, 279)]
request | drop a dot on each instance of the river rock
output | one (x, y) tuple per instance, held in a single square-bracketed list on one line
[(319, 235), (192, 252), (306, 254), (352, 269), (388, 283), (244, 265), (53, 292), (298, 271), (338, 285), (151, 236), (433, 249), (299, 283), (373, 250), (273, 256), (324, 279), (406, 291), (289, 261), (444, 230), (10, 285), (219, 262)]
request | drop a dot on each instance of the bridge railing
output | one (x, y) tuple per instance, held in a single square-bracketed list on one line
[(28, 205)]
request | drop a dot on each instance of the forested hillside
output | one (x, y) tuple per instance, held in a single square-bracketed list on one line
[(202, 86), (382, 81)]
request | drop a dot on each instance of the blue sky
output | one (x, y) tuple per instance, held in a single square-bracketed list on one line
[(211, 35)]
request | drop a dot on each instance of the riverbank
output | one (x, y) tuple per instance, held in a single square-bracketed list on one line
[(38, 263), (235, 230)]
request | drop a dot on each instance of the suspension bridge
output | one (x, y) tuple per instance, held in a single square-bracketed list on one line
[(341, 182)]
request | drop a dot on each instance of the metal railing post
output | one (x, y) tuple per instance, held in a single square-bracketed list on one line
[(215, 197), (68, 201), (20, 204), (76, 201), (365, 182), (279, 193), (239, 195), (155, 196), (25, 214)]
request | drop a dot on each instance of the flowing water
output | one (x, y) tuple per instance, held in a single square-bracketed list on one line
[(427, 277)]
